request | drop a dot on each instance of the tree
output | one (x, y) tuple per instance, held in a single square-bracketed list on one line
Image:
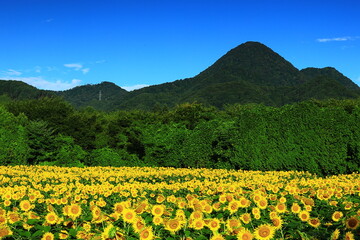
[(13, 145)]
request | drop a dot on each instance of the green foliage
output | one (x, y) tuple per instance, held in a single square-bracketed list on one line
[(13, 145), (109, 157), (68, 153)]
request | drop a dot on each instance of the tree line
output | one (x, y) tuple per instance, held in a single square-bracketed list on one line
[(322, 137)]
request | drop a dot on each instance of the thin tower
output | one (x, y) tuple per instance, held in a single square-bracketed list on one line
[(100, 95)]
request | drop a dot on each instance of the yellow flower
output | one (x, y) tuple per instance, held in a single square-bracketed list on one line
[(51, 218), (63, 234), (173, 225), (244, 234), (48, 236), (214, 224), (336, 216), (314, 222), (217, 237), (198, 224), (157, 220), (109, 232), (277, 222), (349, 236), (335, 235), (147, 234), (264, 232), (295, 208), (304, 215), (129, 215), (352, 223), (245, 217), (5, 231), (158, 210), (25, 205), (74, 211)]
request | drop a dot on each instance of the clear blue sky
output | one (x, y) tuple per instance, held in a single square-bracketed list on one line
[(59, 44)]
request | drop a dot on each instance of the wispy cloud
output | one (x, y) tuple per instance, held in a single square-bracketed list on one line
[(41, 83), (11, 72), (337, 39), (85, 70), (77, 67), (49, 20), (134, 87)]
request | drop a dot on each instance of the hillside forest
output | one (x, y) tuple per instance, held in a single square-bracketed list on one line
[(322, 137)]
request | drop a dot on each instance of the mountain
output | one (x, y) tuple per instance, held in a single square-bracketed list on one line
[(100, 96), (249, 73), (20, 90)]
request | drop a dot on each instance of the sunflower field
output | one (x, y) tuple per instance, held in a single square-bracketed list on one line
[(42, 202)]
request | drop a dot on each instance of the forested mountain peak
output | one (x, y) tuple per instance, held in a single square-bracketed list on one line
[(248, 73), (254, 63)]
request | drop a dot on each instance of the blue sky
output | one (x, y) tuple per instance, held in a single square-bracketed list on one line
[(60, 44)]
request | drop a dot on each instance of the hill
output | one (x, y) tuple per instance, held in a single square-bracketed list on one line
[(249, 73)]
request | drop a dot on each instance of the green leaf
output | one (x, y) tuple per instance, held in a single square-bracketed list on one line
[(72, 232), (37, 234), (33, 221), (24, 233)]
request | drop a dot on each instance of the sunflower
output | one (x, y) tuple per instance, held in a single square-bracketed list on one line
[(233, 225), (245, 217), (51, 218), (138, 225), (147, 234), (217, 237), (109, 232), (173, 225), (314, 222), (280, 207), (244, 203), (160, 198), (336, 216), (233, 207), (198, 224), (63, 234), (277, 222), (5, 231), (262, 203), (214, 224), (13, 217), (244, 234), (264, 232), (3, 220), (304, 215), (295, 208), (158, 210), (157, 220), (129, 215), (352, 223), (25, 205), (349, 236), (48, 236), (335, 235), (74, 211)]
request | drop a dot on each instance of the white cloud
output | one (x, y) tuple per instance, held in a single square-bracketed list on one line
[(37, 69), (85, 70), (76, 66), (11, 72), (49, 20), (337, 39), (41, 83), (134, 87)]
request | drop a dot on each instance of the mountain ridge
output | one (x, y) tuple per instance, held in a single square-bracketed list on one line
[(248, 73)]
